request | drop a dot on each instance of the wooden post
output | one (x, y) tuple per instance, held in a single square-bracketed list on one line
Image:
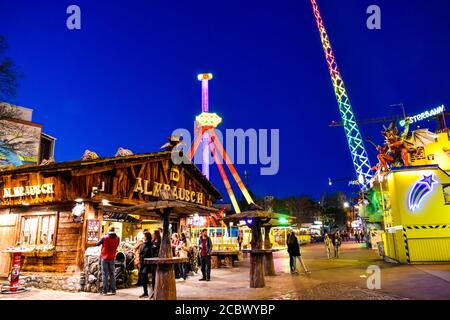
[(257, 258), (269, 266), (165, 286), (165, 250)]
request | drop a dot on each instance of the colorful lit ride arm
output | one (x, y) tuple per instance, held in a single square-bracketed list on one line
[(196, 143), (225, 180), (230, 166)]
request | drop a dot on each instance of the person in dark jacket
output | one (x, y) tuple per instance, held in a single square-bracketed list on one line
[(145, 252), (294, 253), (337, 244), (109, 244), (156, 244), (205, 248)]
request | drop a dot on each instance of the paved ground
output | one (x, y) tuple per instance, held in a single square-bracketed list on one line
[(344, 278)]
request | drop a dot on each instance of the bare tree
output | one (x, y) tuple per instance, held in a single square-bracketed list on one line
[(8, 73)]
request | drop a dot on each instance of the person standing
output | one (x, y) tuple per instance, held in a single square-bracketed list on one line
[(357, 236), (205, 248), (136, 251), (362, 236), (294, 253), (240, 239), (337, 244), (174, 245), (109, 244), (183, 249), (156, 244), (145, 252), (328, 245)]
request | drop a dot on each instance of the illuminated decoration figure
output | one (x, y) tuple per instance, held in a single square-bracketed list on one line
[(206, 122), (420, 190), (395, 150), (354, 139)]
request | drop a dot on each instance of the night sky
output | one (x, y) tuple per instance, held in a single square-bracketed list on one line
[(128, 77)]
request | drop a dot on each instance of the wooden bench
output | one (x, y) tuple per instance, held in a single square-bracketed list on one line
[(223, 258)]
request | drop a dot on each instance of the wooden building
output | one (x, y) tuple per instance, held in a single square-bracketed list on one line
[(61, 209)]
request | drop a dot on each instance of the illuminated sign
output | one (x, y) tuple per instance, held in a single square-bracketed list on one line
[(146, 188), (424, 115), (27, 191), (420, 190)]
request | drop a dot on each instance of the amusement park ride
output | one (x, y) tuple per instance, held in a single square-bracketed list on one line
[(354, 139)]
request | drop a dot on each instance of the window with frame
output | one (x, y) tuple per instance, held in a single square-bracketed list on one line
[(38, 229), (446, 189)]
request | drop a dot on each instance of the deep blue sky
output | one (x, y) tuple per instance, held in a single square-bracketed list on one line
[(128, 77)]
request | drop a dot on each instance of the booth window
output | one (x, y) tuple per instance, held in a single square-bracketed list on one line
[(37, 230), (446, 188)]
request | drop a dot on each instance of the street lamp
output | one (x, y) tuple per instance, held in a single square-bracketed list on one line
[(346, 204), (400, 105)]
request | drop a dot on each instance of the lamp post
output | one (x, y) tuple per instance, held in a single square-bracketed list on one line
[(400, 105)]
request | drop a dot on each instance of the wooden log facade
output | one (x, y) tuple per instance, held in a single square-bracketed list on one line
[(49, 194)]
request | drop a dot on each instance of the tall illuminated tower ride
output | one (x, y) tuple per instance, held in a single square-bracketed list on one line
[(354, 139), (206, 123), (204, 78)]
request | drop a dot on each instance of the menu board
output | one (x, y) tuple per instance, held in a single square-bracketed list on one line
[(93, 227)]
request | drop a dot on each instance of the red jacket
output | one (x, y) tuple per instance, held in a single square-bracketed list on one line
[(109, 248)]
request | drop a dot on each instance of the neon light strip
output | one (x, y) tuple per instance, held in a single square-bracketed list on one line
[(225, 180), (230, 166), (419, 191), (424, 115), (354, 138)]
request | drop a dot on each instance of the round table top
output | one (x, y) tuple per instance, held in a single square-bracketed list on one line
[(225, 252), (260, 251), (158, 260), (15, 251)]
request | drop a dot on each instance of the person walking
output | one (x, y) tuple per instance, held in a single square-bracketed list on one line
[(183, 252), (109, 244), (328, 245), (294, 253), (145, 252), (205, 248), (357, 236), (240, 239), (337, 244), (362, 236), (156, 244)]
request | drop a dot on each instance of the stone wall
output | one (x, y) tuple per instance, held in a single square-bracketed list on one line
[(92, 272), (61, 281)]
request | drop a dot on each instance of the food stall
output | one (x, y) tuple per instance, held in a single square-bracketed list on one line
[(59, 210)]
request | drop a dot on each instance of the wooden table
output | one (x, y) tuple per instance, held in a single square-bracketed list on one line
[(226, 255), (165, 286)]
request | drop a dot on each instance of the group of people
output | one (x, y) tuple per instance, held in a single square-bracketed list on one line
[(148, 246), (336, 241), (293, 248)]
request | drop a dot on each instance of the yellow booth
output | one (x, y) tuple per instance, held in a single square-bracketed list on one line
[(416, 214)]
